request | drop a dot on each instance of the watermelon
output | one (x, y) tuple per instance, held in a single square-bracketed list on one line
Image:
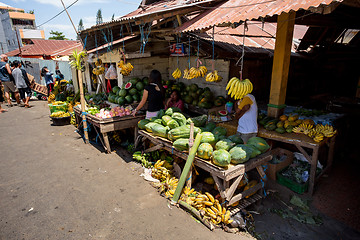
[(133, 91), (219, 131), (145, 80), (122, 93), (142, 123), (259, 143), (134, 81), (188, 99), (128, 85), (181, 144), (238, 155), (136, 98), (205, 151), (223, 113), (221, 158), (199, 121), (210, 126), (115, 89), (224, 144), (121, 101), (129, 99), (140, 86), (236, 139), (208, 137), (194, 87)]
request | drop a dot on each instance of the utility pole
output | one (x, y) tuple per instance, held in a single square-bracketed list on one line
[(17, 37), (77, 33)]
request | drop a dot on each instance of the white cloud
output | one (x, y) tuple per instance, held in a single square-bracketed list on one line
[(57, 3), (18, 1)]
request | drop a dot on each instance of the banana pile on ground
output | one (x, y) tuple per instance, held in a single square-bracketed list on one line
[(195, 72), (126, 68), (237, 88), (213, 77), (177, 73), (60, 114)]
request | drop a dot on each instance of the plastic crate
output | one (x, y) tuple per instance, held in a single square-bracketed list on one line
[(294, 186), (61, 121), (57, 108), (272, 168)]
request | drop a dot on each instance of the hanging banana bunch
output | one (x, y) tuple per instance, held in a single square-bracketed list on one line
[(237, 88), (177, 73), (213, 77), (126, 68), (195, 72), (98, 62), (98, 70)]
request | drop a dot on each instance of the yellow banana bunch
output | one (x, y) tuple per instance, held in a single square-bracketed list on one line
[(237, 88), (318, 137), (98, 70), (60, 114), (98, 63), (177, 73), (317, 133), (303, 128), (126, 68), (160, 172), (186, 73), (213, 77), (203, 70)]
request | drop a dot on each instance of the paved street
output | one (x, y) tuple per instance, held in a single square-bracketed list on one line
[(53, 186)]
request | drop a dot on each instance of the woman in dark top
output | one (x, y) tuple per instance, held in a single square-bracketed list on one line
[(154, 93)]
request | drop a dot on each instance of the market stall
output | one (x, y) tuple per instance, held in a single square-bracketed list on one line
[(105, 125)]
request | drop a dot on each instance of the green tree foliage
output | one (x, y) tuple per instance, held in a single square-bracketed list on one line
[(113, 17), (57, 35), (99, 19)]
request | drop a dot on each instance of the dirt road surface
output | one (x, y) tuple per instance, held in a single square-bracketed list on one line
[(53, 186)]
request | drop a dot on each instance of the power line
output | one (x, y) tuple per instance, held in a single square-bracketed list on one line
[(58, 13)]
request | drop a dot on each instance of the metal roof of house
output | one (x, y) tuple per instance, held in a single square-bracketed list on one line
[(48, 48), (258, 37), (235, 11)]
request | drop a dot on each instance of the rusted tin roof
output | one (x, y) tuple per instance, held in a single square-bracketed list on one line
[(42, 47), (235, 11), (258, 37)]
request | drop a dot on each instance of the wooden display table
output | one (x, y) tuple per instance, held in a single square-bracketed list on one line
[(110, 124), (301, 141), (226, 180)]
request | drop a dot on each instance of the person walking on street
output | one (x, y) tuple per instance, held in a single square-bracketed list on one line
[(45, 72), (1, 99), (9, 86), (22, 83)]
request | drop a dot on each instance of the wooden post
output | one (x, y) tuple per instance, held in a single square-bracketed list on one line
[(82, 101), (358, 89), (281, 63)]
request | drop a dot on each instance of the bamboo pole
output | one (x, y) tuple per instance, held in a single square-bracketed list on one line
[(82, 102), (187, 167), (191, 143), (197, 214)]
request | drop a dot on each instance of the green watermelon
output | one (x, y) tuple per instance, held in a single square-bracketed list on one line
[(136, 98), (236, 139), (221, 158), (210, 126), (145, 80), (115, 89), (128, 85), (219, 131), (188, 99), (122, 93), (205, 151), (140, 86), (133, 91), (121, 101), (134, 81), (129, 99)]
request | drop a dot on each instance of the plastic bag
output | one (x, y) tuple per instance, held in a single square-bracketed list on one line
[(111, 73)]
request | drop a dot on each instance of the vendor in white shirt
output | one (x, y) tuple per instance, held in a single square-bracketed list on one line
[(246, 113)]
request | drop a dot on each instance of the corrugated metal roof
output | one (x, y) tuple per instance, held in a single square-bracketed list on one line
[(257, 36), (48, 48), (235, 11), (113, 43)]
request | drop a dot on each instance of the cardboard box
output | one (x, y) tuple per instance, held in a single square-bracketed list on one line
[(272, 169)]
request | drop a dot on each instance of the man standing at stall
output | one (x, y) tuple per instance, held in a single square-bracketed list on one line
[(246, 112), (5, 73)]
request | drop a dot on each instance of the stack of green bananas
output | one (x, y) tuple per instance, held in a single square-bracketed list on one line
[(237, 88)]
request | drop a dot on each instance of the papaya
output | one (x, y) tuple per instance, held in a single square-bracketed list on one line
[(280, 130), (280, 124), (283, 118)]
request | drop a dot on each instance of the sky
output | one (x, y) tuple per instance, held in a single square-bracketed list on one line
[(82, 9)]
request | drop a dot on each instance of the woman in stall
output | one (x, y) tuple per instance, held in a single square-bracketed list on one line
[(175, 101), (154, 94)]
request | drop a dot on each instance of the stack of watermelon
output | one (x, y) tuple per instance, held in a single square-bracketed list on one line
[(130, 92)]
